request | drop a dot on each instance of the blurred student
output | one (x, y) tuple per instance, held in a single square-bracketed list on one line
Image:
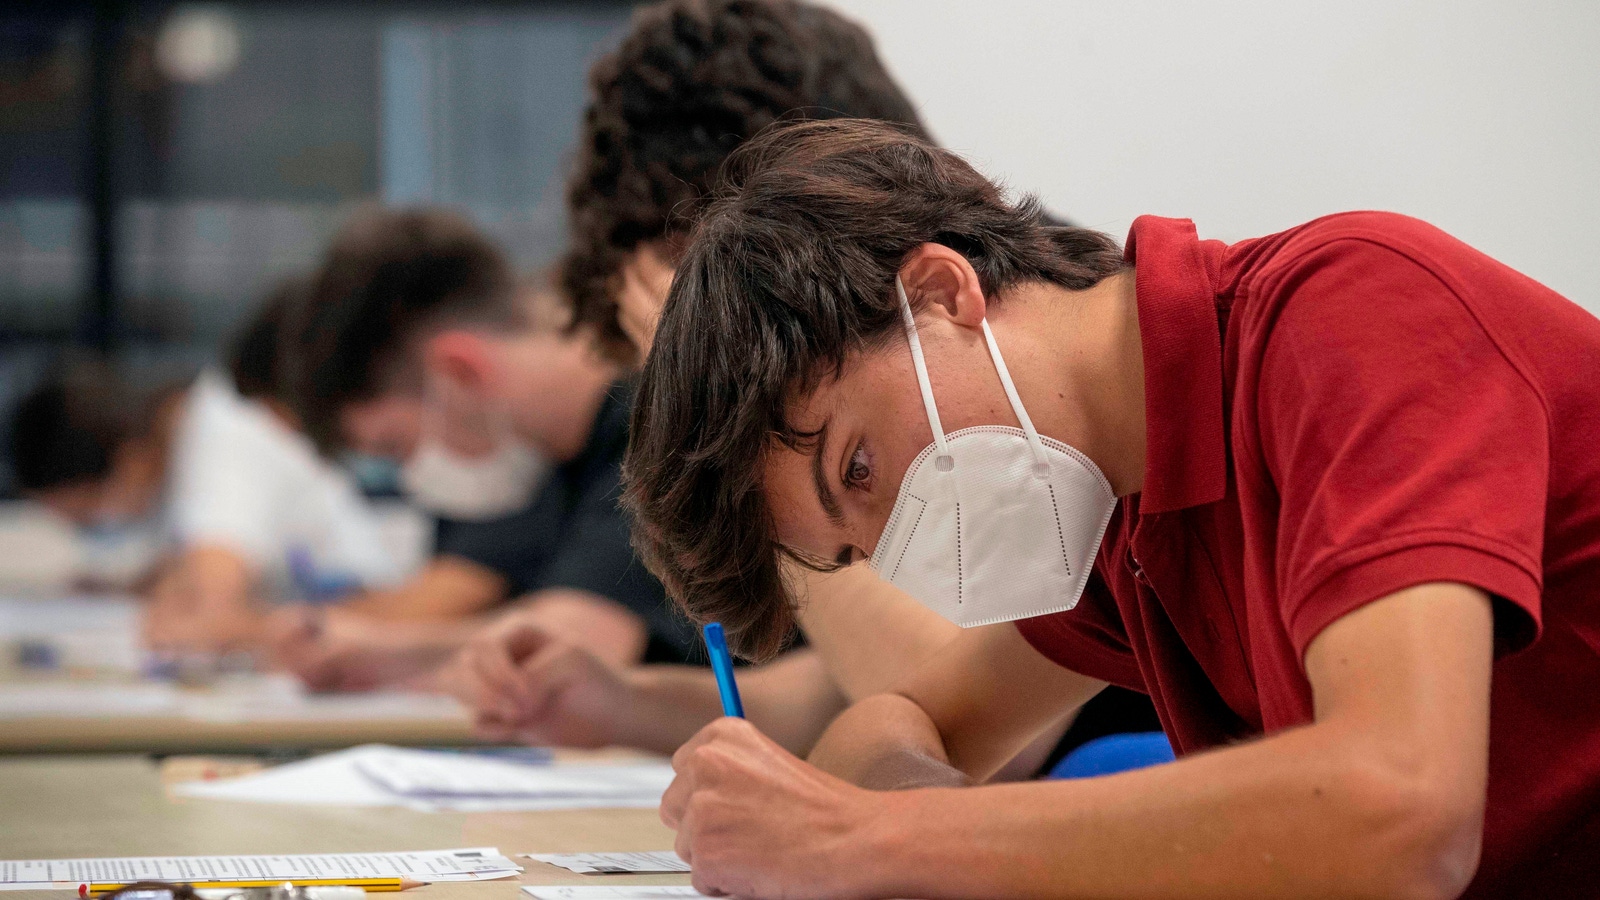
[(244, 510), (1330, 495), (689, 83), (419, 344)]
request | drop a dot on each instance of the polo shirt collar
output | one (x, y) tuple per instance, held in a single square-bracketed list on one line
[(1185, 435)]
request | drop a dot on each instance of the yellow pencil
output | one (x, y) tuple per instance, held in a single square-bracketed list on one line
[(374, 885)]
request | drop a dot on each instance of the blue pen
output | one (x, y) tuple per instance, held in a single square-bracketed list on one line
[(722, 665)]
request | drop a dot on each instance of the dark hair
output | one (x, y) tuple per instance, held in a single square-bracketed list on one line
[(68, 429), (693, 80), (789, 272), (256, 355), (388, 276)]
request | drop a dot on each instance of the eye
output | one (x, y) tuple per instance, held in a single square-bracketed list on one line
[(858, 472)]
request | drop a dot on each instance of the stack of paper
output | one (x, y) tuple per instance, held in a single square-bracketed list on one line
[(468, 864), (649, 862), (597, 892), (379, 775)]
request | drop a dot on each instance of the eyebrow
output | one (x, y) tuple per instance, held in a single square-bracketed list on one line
[(819, 478)]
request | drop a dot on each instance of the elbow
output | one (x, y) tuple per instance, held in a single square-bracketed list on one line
[(1416, 838)]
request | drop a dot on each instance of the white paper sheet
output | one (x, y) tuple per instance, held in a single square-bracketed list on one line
[(330, 779), (346, 778), (36, 617), (419, 773), (650, 862), (466, 864), (601, 892)]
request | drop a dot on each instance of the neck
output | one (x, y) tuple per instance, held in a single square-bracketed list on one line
[(1088, 355), (565, 384), (165, 419)]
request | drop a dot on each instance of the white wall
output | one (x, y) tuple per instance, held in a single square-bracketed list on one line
[(1251, 115)]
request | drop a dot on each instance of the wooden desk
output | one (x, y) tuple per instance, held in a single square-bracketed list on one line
[(75, 806), (182, 735), (95, 640), (256, 714)]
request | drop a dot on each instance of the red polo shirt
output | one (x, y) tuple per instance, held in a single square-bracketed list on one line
[(1336, 413)]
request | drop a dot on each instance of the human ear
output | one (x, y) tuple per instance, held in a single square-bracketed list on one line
[(460, 359), (940, 281)]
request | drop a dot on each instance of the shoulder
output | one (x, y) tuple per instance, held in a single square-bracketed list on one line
[(1359, 273), (1375, 244), (608, 437)]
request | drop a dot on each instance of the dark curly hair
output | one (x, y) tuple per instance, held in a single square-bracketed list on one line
[(692, 81)]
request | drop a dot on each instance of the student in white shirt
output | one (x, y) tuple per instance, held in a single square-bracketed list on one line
[(246, 510)]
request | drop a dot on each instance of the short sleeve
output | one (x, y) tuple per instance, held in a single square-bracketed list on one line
[(1404, 446), (594, 553), (226, 481), (1088, 639), (515, 547)]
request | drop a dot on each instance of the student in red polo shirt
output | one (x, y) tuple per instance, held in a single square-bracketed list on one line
[(1331, 497)]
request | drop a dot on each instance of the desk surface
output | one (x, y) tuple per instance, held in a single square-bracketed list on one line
[(94, 642), (76, 806), (163, 734)]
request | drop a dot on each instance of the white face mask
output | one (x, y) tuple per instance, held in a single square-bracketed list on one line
[(992, 523), (473, 490)]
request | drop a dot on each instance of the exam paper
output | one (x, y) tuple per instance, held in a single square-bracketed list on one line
[(419, 773), (467, 864), (650, 862), (599, 892), (431, 781), (328, 780)]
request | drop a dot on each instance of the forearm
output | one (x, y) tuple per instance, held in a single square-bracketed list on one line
[(597, 624), (203, 600), (887, 743), (871, 635), (212, 578), (790, 700), (447, 588), (440, 638), (1301, 814)]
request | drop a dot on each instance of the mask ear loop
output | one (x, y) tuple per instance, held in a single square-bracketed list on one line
[(944, 462), (1041, 461)]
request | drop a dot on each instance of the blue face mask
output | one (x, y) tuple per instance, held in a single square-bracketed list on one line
[(376, 475), (111, 528)]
